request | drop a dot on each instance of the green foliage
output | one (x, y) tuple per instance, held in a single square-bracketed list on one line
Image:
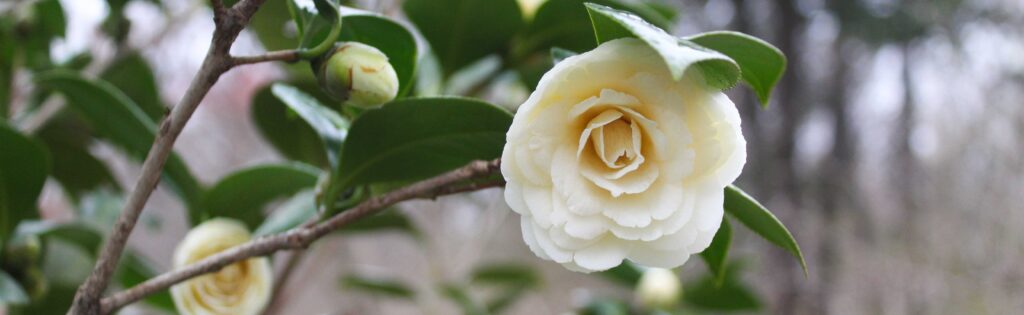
[(462, 31), (559, 54), (565, 23), (389, 288), (625, 274), (117, 118), (296, 210), (387, 220), (133, 270), (413, 139), (74, 167), (718, 70), (460, 297), (718, 252), (729, 296), (242, 195), (132, 75), (756, 217), (287, 132), (332, 128), (511, 281), (23, 168), (761, 64)]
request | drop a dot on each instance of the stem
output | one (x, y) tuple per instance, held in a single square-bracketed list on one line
[(300, 237), (229, 23)]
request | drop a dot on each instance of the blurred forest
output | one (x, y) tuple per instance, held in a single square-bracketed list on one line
[(892, 149)]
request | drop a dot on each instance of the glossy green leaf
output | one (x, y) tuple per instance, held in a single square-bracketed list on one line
[(756, 217), (565, 23), (45, 23), (412, 139), (85, 237), (24, 164), (680, 55), (463, 31), (332, 128), (506, 275), (117, 118), (10, 291), (133, 270), (132, 75), (286, 131), (270, 23), (390, 288), (625, 274), (391, 38), (74, 167), (559, 54), (243, 194), (6, 66), (761, 64), (297, 210), (388, 220), (717, 253), (730, 296), (460, 297)]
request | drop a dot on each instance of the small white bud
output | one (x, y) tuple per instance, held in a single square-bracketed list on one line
[(360, 75), (658, 289)]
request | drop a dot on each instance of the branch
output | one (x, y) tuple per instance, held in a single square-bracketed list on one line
[(218, 61), (290, 55), (301, 237)]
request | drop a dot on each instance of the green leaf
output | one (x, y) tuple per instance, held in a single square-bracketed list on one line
[(388, 220), (389, 288), (286, 132), (717, 253), (506, 275), (565, 23), (243, 194), (297, 210), (117, 118), (412, 139), (10, 291), (332, 128), (626, 274), (463, 300), (390, 37), (85, 237), (24, 164), (6, 66), (270, 24), (718, 70), (462, 31), (78, 171), (756, 217), (132, 75), (732, 295), (559, 54), (133, 270), (319, 41), (761, 64)]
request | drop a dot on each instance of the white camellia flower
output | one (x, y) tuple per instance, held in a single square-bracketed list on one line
[(243, 288), (611, 159)]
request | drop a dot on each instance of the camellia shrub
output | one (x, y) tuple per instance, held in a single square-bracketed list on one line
[(620, 163)]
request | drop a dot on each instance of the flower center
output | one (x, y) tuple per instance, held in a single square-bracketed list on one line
[(611, 144)]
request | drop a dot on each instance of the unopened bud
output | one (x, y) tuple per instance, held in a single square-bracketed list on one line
[(658, 289), (359, 75)]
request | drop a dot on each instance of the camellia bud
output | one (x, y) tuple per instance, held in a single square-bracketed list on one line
[(242, 288), (359, 75), (22, 253), (658, 289)]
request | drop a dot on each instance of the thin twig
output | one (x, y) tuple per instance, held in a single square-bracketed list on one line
[(216, 63), (301, 237), (290, 55)]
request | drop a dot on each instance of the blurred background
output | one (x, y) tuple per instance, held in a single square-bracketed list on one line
[(892, 149)]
